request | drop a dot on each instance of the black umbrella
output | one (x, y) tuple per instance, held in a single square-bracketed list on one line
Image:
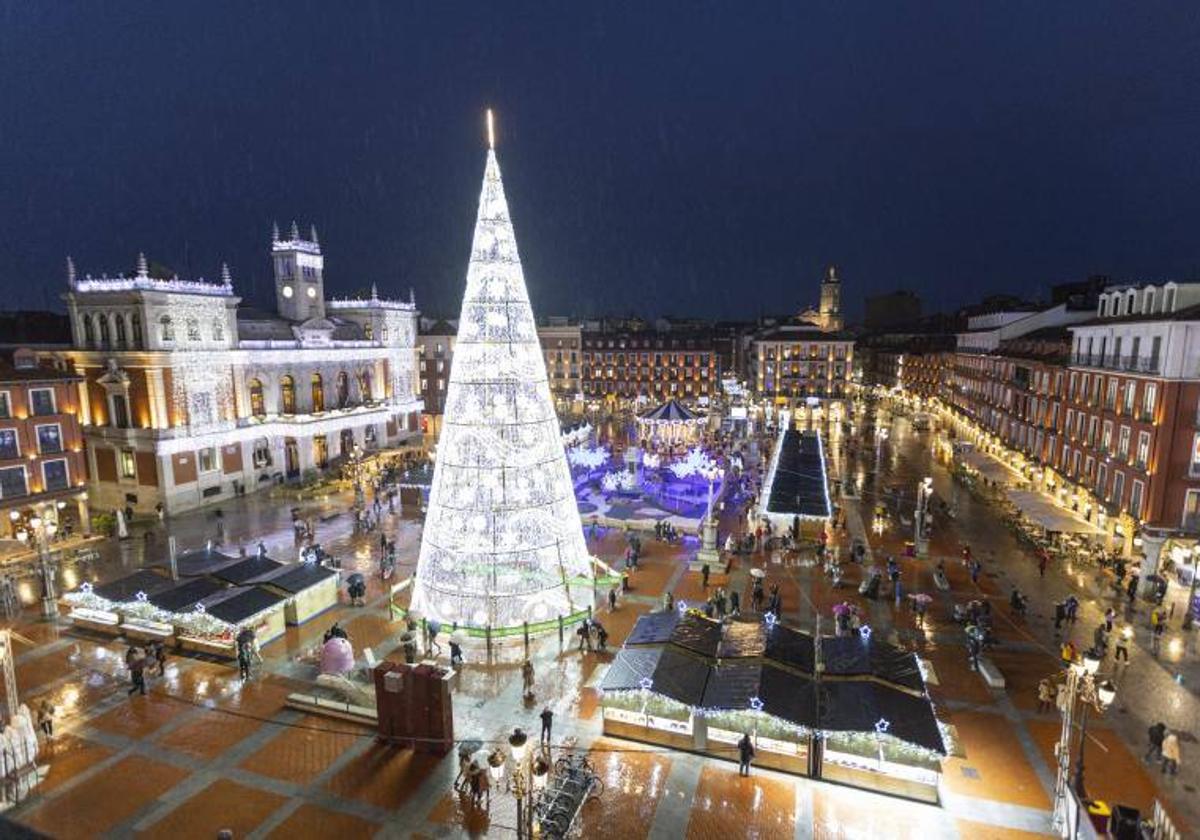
[(356, 578), (245, 637)]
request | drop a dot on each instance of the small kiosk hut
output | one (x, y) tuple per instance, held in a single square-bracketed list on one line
[(852, 710), (309, 590), (121, 606), (245, 570), (672, 424), (213, 626)]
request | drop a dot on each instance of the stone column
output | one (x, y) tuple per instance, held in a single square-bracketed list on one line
[(160, 416), (1152, 547), (85, 516)]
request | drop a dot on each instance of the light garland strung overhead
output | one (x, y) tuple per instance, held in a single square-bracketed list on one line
[(502, 538)]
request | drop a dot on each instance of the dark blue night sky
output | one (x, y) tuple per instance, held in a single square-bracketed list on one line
[(686, 158)]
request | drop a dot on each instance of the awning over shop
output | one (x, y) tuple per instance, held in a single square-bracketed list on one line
[(1043, 512), (990, 467)]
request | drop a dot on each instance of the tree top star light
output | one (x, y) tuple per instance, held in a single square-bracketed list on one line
[(503, 542)]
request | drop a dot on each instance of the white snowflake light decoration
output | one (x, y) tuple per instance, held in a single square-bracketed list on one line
[(756, 704), (502, 541), (586, 456), (619, 481), (694, 463)]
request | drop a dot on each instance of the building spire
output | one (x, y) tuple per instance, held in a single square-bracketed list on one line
[(312, 235), (70, 271), (374, 292), (226, 277), (491, 130), (295, 231), (412, 296), (274, 232), (143, 269)]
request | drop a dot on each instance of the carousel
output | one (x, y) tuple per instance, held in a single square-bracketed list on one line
[(672, 424)]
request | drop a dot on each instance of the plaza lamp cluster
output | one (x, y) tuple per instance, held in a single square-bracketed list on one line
[(526, 780), (1084, 690), (38, 529)]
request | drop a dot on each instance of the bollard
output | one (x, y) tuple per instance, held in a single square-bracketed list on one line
[(589, 618), (560, 630), (487, 632), (525, 625)]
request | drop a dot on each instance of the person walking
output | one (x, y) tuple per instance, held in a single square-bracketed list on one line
[(1122, 646), (1131, 591), (745, 754), (1155, 736), (704, 575), (612, 598), (456, 656), (45, 718), (243, 658), (136, 661), (547, 717), (160, 657), (527, 680), (1170, 754), (735, 602), (1156, 639), (1042, 563), (1046, 695)]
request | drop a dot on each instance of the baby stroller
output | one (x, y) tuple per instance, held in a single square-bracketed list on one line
[(870, 586)]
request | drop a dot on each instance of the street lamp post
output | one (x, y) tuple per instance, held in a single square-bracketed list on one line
[(529, 775), (40, 531), (921, 532), (1081, 686)]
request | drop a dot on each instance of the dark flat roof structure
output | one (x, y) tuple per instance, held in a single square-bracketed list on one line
[(798, 479), (126, 588), (242, 604), (184, 597), (247, 570), (298, 577)]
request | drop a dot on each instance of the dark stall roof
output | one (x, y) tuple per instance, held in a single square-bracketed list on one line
[(732, 685), (698, 634), (630, 668), (855, 656), (653, 628), (127, 588), (680, 677), (185, 596), (297, 578), (858, 706), (791, 647), (788, 696), (248, 569), (741, 639), (243, 604), (201, 562), (798, 484)]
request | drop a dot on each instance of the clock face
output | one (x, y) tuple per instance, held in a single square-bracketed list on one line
[(312, 292), (287, 291)]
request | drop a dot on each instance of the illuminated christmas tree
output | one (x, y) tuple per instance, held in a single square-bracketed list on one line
[(502, 542)]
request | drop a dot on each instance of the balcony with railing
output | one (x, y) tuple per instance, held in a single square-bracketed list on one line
[(1111, 361)]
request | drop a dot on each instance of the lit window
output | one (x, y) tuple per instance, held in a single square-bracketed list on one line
[(41, 401), (54, 475), (128, 464), (207, 459)]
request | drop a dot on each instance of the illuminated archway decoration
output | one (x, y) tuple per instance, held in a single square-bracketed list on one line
[(502, 542)]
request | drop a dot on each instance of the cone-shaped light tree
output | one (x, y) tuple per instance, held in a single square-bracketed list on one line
[(502, 542)]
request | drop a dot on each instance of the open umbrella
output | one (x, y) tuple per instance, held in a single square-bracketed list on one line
[(458, 637), (922, 598), (758, 573), (355, 579), (841, 609)]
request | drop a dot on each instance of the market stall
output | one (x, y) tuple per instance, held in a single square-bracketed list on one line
[(849, 709), (107, 608), (796, 488), (243, 571), (213, 626), (309, 590)]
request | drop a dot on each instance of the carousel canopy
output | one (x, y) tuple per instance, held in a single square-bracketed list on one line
[(710, 665), (671, 411)]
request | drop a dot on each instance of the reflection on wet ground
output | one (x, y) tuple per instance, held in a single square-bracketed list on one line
[(203, 751)]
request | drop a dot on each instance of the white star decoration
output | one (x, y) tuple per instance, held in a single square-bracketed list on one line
[(141, 596), (882, 725), (756, 704)]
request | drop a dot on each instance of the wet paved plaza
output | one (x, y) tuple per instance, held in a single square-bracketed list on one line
[(203, 751)]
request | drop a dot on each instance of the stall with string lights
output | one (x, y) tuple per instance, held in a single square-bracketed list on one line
[(853, 710)]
